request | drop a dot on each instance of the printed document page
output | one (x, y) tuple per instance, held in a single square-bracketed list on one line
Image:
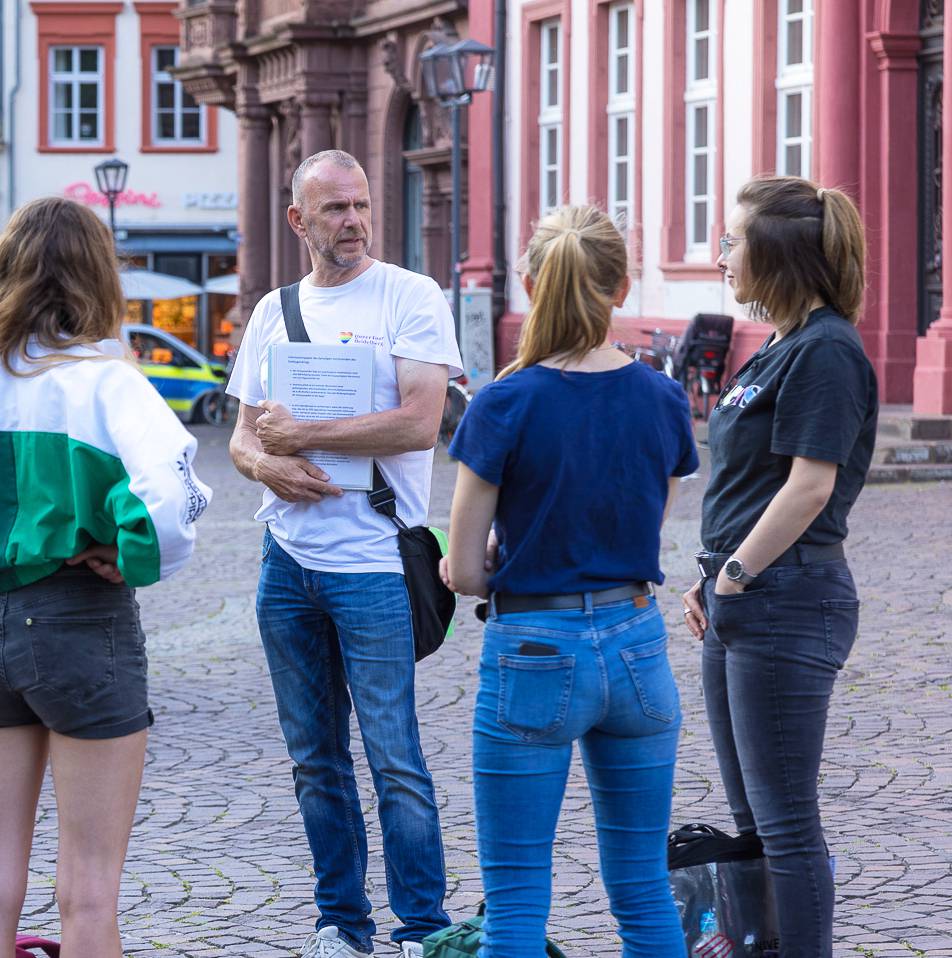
[(326, 382)]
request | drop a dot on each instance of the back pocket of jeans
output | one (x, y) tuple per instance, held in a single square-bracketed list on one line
[(840, 620), (651, 673), (534, 693), (74, 656)]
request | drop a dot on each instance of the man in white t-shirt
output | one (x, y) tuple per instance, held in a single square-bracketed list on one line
[(332, 606)]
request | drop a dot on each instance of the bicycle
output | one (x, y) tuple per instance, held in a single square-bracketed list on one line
[(454, 405), (658, 353), (216, 407)]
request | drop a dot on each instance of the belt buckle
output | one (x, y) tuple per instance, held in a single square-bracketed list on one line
[(699, 558)]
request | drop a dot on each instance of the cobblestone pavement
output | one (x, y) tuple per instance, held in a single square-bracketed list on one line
[(218, 864)]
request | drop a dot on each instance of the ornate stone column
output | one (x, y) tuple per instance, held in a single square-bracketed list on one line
[(894, 277), (932, 381), (316, 134), (316, 129), (838, 39), (285, 158), (254, 250)]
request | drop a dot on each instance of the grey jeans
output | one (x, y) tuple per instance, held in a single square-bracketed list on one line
[(771, 655), (72, 657)]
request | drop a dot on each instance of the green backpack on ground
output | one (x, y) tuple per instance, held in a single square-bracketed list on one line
[(463, 939)]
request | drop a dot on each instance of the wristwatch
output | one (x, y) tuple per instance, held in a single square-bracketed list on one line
[(735, 571)]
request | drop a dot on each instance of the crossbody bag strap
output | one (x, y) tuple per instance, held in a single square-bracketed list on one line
[(382, 497), (293, 320)]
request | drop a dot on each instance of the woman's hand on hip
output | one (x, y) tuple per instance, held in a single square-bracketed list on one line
[(694, 616), (101, 559)]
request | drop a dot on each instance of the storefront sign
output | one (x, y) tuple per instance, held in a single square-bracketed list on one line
[(90, 196), (211, 201)]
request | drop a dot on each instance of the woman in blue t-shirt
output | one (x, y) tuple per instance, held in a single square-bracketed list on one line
[(791, 440), (571, 456)]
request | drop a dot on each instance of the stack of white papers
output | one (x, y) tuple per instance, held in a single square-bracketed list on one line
[(326, 382)]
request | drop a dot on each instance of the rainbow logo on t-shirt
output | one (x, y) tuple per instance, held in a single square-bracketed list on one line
[(346, 337)]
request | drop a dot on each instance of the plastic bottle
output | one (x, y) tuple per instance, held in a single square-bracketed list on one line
[(708, 931)]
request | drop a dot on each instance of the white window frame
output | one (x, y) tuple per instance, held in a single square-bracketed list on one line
[(621, 105), (793, 79), (550, 114), (699, 94), (693, 35), (161, 77), (74, 78)]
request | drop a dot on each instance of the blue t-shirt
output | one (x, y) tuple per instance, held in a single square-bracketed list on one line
[(582, 461)]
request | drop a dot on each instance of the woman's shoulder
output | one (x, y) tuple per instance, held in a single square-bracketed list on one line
[(827, 325)]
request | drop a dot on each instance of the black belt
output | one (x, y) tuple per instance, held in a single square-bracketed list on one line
[(709, 563), (504, 602)]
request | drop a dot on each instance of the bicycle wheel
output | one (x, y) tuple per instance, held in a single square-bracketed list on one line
[(216, 408), (457, 399)]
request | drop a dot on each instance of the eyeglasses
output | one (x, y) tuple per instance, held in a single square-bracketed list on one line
[(727, 243)]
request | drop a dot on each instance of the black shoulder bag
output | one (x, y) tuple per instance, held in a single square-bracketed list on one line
[(432, 605)]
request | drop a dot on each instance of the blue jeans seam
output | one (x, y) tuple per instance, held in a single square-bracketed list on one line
[(338, 768), (603, 678)]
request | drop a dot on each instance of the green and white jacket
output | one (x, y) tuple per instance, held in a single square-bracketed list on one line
[(89, 452)]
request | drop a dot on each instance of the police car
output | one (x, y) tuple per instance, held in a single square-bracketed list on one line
[(192, 385)]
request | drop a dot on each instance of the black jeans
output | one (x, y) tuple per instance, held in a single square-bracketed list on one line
[(771, 654)]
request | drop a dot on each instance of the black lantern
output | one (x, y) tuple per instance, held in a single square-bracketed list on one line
[(111, 180), (473, 65), (438, 74), (454, 72)]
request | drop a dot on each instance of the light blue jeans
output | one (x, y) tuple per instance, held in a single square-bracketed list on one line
[(605, 682), (331, 638)]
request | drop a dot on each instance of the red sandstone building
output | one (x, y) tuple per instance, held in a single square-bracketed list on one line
[(657, 109)]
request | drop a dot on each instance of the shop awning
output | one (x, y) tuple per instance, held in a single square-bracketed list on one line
[(145, 284), (227, 284)]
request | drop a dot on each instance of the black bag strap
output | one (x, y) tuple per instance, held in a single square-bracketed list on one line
[(382, 497), (293, 320)]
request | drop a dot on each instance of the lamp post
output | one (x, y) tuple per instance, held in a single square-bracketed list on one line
[(111, 180), (452, 73)]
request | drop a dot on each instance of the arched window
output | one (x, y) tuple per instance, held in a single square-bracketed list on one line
[(412, 192)]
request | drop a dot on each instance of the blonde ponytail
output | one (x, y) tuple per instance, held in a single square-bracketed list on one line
[(577, 261)]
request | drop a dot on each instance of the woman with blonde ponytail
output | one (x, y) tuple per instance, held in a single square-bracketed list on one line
[(791, 439), (571, 456)]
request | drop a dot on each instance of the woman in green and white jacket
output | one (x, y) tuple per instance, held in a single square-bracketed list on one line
[(97, 496)]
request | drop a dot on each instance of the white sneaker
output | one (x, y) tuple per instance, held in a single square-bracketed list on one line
[(411, 949), (327, 944)]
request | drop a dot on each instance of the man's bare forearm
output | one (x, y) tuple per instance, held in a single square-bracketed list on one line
[(245, 449), (387, 433)]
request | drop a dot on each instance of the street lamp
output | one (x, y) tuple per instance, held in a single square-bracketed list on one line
[(452, 73), (111, 180)]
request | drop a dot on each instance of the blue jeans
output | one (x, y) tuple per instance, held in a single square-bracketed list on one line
[(608, 684), (324, 633), (771, 654)]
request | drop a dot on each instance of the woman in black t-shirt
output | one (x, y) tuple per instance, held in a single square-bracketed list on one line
[(791, 439)]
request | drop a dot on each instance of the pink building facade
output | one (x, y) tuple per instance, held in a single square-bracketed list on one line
[(677, 103), (656, 109)]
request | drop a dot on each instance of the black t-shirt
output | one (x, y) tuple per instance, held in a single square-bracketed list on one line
[(813, 394)]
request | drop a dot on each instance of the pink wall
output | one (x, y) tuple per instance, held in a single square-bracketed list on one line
[(479, 158)]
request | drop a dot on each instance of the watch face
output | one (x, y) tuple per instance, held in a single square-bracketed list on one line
[(734, 568)]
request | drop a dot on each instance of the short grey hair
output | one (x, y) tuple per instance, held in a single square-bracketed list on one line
[(338, 157)]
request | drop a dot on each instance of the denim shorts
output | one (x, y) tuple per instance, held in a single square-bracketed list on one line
[(72, 657)]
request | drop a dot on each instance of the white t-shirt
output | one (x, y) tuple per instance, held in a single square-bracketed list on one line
[(399, 313)]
